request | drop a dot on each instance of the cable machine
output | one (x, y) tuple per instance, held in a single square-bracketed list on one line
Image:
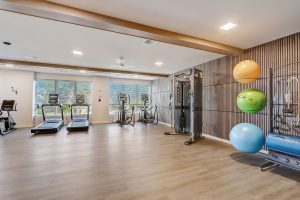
[(186, 105)]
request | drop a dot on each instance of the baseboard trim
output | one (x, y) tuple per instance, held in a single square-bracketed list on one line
[(24, 126), (263, 151), (205, 135), (100, 122), (163, 123), (216, 138)]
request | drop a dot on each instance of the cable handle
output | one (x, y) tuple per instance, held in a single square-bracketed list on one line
[(289, 95)]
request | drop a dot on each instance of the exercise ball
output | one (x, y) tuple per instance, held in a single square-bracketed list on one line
[(246, 71), (247, 138), (251, 100)]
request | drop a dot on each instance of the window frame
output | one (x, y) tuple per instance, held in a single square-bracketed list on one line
[(56, 82), (123, 85)]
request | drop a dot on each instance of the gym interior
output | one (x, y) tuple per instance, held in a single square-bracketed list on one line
[(163, 100)]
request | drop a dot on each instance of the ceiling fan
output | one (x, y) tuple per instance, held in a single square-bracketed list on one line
[(120, 61)]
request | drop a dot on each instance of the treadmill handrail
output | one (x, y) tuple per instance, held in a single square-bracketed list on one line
[(52, 105), (81, 105), (76, 104)]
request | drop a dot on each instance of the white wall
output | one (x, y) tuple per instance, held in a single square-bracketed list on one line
[(62, 77), (23, 81), (100, 109), (130, 81)]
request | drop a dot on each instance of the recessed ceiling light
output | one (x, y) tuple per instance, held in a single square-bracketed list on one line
[(31, 57), (82, 71), (9, 65), (158, 63), (75, 52), (228, 26)]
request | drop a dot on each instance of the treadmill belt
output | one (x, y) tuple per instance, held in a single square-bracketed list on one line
[(49, 125), (79, 123)]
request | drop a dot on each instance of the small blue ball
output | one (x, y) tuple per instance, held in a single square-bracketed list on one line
[(247, 138)]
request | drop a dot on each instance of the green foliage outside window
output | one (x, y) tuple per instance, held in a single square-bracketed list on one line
[(66, 90), (134, 91)]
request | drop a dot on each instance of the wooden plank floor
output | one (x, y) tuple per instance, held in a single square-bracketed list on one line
[(111, 162)]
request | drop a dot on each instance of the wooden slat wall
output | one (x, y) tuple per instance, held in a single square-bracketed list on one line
[(220, 90)]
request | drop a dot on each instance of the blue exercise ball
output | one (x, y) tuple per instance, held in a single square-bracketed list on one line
[(247, 138)]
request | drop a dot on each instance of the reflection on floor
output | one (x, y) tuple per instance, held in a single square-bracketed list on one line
[(111, 162)]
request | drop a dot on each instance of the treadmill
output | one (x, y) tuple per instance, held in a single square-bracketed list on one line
[(79, 124), (50, 125)]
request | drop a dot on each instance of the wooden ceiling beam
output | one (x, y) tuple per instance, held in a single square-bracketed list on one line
[(58, 12), (72, 67)]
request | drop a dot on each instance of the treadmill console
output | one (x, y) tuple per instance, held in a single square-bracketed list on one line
[(123, 97), (53, 98), (8, 105), (80, 99), (145, 97)]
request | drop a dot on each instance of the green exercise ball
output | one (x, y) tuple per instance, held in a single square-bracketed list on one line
[(251, 100)]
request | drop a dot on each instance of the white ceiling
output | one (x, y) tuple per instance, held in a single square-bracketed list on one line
[(258, 21), (52, 42), (77, 73)]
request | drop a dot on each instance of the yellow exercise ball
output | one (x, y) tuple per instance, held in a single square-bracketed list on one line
[(246, 71)]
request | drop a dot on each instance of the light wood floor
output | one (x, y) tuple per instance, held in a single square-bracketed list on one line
[(111, 162)]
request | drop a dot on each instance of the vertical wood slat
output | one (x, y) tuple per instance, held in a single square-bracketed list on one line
[(220, 90)]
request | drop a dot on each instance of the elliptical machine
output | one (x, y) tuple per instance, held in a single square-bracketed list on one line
[(147, 114), (126, 112), (9, 122)]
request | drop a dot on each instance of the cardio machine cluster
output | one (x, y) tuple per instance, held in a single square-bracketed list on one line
[(126, 114), (53, 125)]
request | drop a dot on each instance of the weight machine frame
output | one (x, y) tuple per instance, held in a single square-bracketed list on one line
[(189, 77)]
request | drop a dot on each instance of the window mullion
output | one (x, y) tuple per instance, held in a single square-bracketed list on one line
[(75, 88), (56, 86)]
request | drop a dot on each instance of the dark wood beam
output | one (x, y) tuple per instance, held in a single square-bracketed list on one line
[(72, 67), (53, 11)]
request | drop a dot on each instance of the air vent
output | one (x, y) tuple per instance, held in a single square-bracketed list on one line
[(149, 42)]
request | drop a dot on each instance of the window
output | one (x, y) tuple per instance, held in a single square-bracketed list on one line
[(43, 89), (67, 91), (134, 91)]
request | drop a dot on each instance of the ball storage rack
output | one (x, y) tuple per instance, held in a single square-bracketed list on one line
[(284, 116)]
